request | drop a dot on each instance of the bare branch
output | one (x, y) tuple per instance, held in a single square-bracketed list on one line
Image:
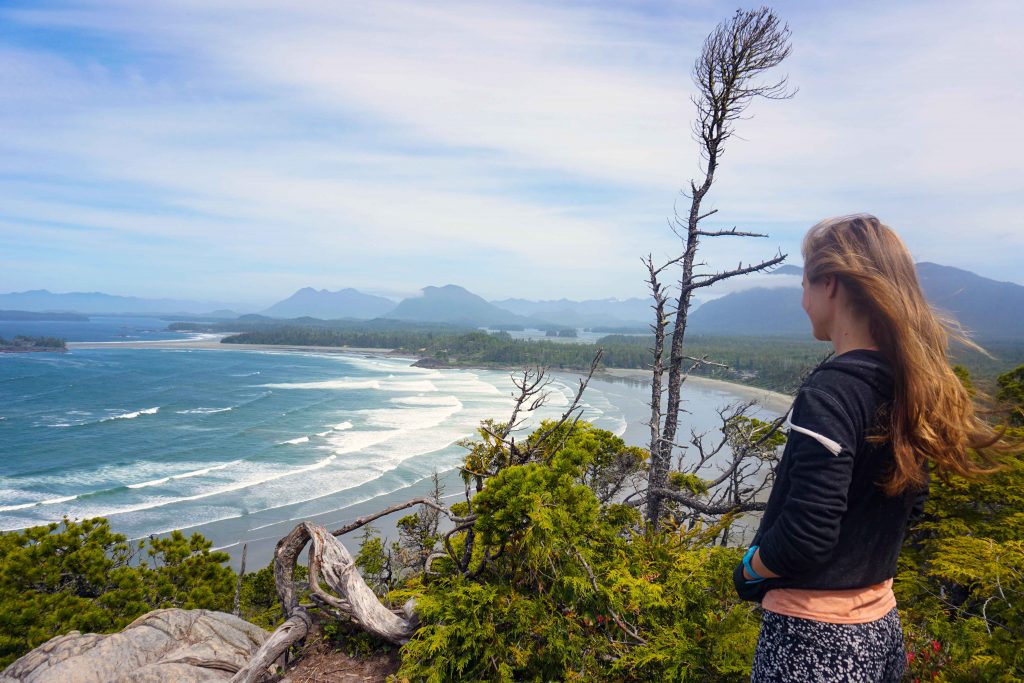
[(237, 606), (428, 502), (739, 270), (728, 233), (703, 360), (574, 405), (693, 503), (290, 632)]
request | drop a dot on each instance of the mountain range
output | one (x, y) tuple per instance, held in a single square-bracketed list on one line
[(987, 308), (98, 303), (589, 313), (457, 306)]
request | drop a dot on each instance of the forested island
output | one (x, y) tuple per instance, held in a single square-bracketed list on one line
[(24, 344)]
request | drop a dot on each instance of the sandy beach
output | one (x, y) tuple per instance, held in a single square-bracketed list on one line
[(772, 400)]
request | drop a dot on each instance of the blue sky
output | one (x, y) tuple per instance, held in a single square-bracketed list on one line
[(236, 151)]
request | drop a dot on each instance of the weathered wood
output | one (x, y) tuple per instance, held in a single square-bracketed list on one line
[(259, 668), (285, 556), (331, 561), (726, 74), (318, 593), (338, 569), (366, 519)]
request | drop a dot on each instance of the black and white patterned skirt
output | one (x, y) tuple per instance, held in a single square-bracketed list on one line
[(795, 650)]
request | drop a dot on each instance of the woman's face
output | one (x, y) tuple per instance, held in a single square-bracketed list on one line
[(818, 307)]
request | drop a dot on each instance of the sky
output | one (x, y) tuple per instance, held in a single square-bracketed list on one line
[(236, 151)]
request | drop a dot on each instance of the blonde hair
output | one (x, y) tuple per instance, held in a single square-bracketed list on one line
[(932, 417)]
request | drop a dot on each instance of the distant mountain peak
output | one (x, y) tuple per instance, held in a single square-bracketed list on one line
[(327, 305), (446, 289), (452, 304), (787, 269), (101, 303)]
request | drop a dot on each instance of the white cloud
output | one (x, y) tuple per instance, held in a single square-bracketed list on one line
[(429, 143)]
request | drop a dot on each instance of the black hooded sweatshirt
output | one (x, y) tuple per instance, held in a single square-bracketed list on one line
[(828, 523)]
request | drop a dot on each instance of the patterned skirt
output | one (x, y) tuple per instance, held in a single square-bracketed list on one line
[(795, 650)]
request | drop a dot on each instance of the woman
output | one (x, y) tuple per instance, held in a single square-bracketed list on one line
[(862, 432)]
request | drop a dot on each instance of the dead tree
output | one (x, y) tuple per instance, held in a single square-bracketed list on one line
[(728, 76), (728, 474)]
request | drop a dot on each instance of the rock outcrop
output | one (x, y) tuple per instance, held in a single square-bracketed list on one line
[(178, 645)]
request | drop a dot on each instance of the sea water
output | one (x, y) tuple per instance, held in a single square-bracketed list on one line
[(238, 444), (159, 439)]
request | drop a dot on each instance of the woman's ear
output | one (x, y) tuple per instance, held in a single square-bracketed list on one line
[(831, 285)]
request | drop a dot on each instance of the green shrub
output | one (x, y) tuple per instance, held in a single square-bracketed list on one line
[(81, 576), (574, 590)]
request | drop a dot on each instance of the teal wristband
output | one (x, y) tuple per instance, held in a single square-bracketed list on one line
[(750, 570)]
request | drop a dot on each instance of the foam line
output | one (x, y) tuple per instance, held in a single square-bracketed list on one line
[(328, 384), (184, 475), (132, 415), (51, 501)]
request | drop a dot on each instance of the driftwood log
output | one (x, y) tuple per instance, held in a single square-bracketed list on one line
[(330, 561)]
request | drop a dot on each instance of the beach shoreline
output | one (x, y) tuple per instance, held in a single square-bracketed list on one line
[(771, 400), (213, 343), (261, 532)]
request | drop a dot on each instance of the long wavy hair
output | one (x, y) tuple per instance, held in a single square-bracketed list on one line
[(932, 417)]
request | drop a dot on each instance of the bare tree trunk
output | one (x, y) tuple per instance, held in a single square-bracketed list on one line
[(262, 663), (237, 609), (739, 51)]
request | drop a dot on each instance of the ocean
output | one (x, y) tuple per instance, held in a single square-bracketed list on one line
[(241, 444)]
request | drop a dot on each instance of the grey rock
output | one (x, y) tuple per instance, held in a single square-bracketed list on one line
[(183, 646)]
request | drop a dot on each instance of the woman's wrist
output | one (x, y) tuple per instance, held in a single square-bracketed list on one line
[(757, 566), (749, 573)]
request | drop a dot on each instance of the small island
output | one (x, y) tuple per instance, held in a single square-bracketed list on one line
[(24, 344)]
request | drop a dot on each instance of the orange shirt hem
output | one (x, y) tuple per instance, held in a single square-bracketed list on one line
[(847, 606)]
